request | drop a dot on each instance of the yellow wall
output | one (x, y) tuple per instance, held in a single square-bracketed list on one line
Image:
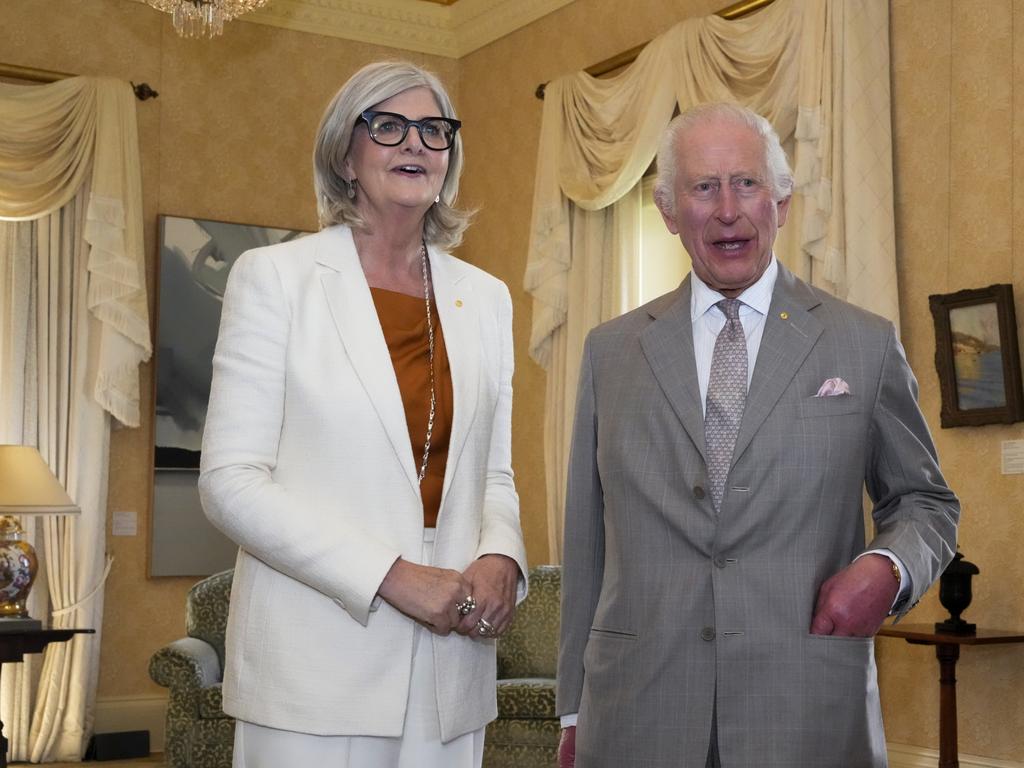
[(229, 138)]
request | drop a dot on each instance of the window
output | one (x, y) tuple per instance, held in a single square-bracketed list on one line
[(663, 262)]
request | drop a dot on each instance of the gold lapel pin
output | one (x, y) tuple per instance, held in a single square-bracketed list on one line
[(458, 302), (784, 315)]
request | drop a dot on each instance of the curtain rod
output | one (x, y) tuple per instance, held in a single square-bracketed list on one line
[(142, 90), (734, 11)]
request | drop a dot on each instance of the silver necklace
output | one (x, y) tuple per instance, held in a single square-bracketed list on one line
[(430, 357)]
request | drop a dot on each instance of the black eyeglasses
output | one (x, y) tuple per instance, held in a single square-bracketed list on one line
[(390, 129)]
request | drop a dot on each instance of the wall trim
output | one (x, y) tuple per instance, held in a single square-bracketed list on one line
[(909, 756), (411, 25), (133, 713)]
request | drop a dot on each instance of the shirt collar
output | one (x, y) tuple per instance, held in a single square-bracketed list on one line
[(757, 296)]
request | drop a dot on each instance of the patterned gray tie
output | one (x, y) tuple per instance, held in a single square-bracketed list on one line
[(727, 394)]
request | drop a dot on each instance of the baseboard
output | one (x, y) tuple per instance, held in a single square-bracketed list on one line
[(148, 713), (909, 756), (133, 713)]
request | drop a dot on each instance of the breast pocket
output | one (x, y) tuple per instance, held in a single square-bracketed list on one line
[(836, 405)]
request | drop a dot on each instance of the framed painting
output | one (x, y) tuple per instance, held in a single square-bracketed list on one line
[(976, 356), (196, 256)]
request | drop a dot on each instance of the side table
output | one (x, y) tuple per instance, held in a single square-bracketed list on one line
[(947, 651), (14, 644)]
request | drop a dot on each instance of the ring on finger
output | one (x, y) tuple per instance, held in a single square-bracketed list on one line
[(466, 606), (485, 628)]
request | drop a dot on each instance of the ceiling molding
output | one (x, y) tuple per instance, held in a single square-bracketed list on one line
[(443, 30), (480, 22)]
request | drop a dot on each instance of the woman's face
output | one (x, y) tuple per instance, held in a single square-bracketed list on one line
[(406, 176)]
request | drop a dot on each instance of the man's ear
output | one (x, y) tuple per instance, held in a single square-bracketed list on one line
[(667, 209), (783, 208)]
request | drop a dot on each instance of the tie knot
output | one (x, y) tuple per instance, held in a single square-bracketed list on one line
[(730, 308)]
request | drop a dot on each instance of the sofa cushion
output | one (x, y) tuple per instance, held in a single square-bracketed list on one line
[(530, 646), (512, 733), (530, 698)]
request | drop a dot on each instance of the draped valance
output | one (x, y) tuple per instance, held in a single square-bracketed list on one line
[(53, 139), (817, 69)]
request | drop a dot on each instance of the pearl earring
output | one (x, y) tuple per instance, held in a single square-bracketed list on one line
[(350, 188), (437, 199)]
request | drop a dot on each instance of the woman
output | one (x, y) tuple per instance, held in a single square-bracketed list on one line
[(357, 448)]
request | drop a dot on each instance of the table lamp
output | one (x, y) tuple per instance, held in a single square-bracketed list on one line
[(27, 487)]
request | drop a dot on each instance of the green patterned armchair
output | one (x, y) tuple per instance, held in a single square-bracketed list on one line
[(199, 734), (525, 735)]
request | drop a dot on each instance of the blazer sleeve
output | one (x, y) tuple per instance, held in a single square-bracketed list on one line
[(583, 555), (915, 512), (240, 447), (501, 532)]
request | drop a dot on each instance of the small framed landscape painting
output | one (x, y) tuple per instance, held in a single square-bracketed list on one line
[(976, 356)]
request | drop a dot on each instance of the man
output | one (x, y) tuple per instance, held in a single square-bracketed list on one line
[(719, 601)]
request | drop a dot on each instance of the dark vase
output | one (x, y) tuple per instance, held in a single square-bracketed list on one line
[(955, 595)]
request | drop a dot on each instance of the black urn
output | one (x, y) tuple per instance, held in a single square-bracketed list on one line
[(955, 596)]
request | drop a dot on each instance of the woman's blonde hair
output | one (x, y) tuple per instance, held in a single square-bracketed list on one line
[(443, 224)]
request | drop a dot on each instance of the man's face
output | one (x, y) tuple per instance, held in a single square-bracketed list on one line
[(724, 213)]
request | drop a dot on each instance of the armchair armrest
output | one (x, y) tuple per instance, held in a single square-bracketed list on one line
[(188, 663)]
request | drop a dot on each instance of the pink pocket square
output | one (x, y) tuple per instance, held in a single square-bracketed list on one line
[(833, 387)]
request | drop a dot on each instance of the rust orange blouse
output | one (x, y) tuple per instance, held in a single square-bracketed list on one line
[(403, 319)]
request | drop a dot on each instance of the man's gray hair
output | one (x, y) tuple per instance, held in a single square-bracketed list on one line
[(443, 224), (780, 175)]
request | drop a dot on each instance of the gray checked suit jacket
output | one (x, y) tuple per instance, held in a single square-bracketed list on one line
[(671, 612)]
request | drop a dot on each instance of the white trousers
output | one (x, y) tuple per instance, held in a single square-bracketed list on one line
[(419, 746)]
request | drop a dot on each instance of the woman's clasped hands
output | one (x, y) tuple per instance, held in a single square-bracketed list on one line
[(478, 603)]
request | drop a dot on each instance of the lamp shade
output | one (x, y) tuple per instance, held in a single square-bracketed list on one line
[(28, 487)]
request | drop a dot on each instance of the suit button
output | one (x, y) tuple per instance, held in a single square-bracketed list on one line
[(698, 491), (720, 561), (708, 633)]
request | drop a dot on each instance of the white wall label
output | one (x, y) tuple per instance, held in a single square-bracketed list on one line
[(125, 524), (1013, 457)]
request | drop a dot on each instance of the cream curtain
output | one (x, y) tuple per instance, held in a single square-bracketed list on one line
[(74, 330), (818, 69)]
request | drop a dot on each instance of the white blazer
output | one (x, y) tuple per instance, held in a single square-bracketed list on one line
[(307, 464)]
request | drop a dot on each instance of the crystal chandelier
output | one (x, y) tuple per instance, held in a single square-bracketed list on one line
[(203, 18)]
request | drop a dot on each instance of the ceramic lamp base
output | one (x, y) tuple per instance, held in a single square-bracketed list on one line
[(17, 569)]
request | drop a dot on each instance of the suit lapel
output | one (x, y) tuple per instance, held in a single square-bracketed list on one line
[(668, 346), (459, 315), (790, 332), (355, 318)]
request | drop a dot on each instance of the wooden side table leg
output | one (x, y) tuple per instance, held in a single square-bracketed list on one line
[(947, 654)]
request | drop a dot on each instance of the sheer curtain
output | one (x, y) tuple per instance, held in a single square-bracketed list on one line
[(818, 69), (74, 330)]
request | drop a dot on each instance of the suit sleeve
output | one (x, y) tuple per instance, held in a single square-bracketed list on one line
[(583, 556), (240, 445), (915, 512), (500, 529)]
